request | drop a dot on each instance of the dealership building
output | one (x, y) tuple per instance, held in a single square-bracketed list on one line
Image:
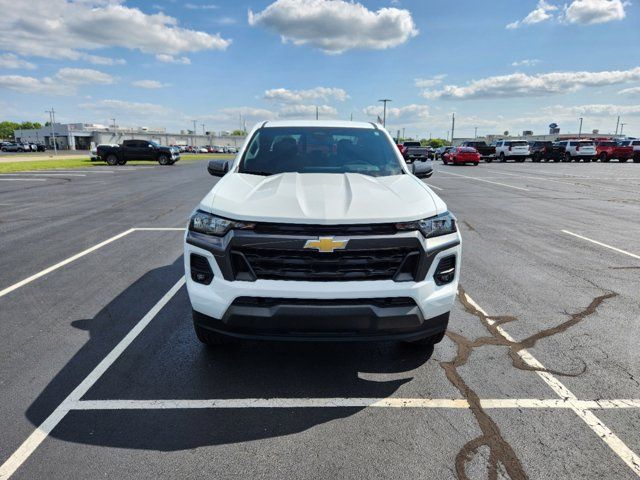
[(80, 136)]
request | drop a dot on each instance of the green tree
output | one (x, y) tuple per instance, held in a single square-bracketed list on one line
[(30, 125), (239, 133), (437, 142), (7, 128)]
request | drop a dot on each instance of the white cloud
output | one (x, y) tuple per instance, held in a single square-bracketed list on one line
[(99, 60), (133, 109), (284, 95), (151, 84), (307, 111), (579, 12), (630, 91), (406, 114), (589, 12), (526, 63), (594, 110), (194, 6), (335, 26), (429, 82), (67, 29), (9, 60), (165, 58), (65, 82), (520, 84), (542, 13)]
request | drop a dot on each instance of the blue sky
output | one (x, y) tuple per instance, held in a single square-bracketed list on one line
[(499, 65)]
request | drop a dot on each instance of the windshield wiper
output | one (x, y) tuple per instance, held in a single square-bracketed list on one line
[(255, 172)]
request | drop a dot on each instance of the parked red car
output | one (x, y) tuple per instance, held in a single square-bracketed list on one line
[(461, 155), (608, 149)]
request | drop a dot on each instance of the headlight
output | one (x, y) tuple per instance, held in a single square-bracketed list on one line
[(437, 226), (209, 224)]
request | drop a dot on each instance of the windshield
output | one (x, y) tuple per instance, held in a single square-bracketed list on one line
[(320, 150)]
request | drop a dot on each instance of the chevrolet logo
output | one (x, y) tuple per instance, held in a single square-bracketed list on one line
[(326, 244)]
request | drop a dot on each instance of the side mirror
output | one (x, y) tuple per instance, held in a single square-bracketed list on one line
[(218, 168), (422, 169)]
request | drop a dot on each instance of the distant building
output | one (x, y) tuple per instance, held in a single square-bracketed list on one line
[(532, 138), (80, 136)]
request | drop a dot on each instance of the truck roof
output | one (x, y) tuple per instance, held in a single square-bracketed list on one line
[(319, 123)]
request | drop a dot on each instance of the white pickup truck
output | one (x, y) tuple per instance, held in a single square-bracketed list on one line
[(319, 230)]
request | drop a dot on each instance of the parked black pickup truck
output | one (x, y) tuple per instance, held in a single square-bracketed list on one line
[(413, 151), (137, 150), (487, 152)]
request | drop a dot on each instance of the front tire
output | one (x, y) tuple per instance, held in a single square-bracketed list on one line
[(208, 337), (567, 158), (604, 158), (636, 158), (163, 160), (122, 162), (503, 159), (488, 160), (475, 164), (112, 160)]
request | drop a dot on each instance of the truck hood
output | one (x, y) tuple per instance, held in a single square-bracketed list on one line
[(322, 199)]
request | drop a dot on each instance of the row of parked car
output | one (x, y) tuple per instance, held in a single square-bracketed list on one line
[(205, 149), (22, 147), (571, 150)]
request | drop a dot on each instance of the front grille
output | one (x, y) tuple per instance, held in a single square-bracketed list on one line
[(345, 265)]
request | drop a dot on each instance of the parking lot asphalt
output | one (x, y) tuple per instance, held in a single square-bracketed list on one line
[(538, 377)]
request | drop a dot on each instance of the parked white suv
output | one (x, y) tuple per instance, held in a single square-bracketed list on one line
[(636, 148), (319, 230), (576, 150), (517, 150)]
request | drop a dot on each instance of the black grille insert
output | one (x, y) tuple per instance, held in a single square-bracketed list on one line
[(342, 265), (271, 302), (200, 269), (446, 271)]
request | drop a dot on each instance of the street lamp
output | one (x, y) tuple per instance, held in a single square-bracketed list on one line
[(476, 134), (622, 128), (52, 121), (384, 111)]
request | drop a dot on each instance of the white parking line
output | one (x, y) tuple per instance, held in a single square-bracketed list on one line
[(67, 261), (624, 252), (450, 403), (433, 186), (32, 442), (483, 180), (75, 257), (23, 179), (34, 174), (611, 439)]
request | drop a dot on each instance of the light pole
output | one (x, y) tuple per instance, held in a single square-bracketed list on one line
[(193, 139), (384, 110), (453, 127), (52, 120), (580, 131), (476, 134), (622, 128), (618, 125)]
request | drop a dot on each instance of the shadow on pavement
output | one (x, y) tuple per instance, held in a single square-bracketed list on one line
[(167, 362)]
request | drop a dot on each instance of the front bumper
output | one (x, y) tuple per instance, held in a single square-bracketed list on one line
[(331, 310)]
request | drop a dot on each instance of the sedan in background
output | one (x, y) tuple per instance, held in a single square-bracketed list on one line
[(461, 156)]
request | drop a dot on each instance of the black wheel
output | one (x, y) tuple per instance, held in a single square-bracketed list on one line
[(567, 158), (163, 160), (112, 160), (488, 160), (604, 158), (536, 158), (122, 162), (21, 149), (636, 158), (623, 160), (475, 164), (503, 158), (520, 160), (4, 149), (444, 162), (427, 342), (209, 338)]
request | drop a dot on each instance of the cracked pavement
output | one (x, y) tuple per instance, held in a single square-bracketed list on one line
[(571, 304)]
